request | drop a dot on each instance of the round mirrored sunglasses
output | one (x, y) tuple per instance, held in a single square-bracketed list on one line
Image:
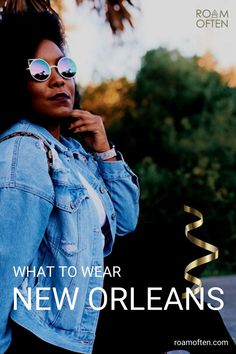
[(40, 70)]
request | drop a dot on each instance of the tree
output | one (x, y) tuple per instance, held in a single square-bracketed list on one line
[(179, 136), (176, 125)]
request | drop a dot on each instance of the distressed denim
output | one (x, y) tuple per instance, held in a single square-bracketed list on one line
[(49, 220)]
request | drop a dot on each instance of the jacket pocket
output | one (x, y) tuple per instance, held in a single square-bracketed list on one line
[(69, 198)]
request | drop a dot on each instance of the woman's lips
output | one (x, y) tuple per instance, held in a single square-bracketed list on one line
[(60, 97)]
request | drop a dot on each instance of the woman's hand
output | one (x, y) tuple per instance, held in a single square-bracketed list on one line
[(92, 124)]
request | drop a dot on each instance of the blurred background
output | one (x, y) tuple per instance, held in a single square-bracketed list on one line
[(166, 90)]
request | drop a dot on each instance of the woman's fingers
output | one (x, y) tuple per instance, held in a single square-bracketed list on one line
[(88, 122), (82, 127), (86, 118)]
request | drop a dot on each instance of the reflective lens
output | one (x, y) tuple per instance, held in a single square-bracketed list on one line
[(39, 69), (66, 67)]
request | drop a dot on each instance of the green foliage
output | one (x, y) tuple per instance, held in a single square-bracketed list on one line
[(179, 136)]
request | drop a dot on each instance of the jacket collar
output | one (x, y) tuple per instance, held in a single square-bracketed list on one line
[(62, 145)]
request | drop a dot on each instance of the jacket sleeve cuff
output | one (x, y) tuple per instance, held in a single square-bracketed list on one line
[(112, 170)]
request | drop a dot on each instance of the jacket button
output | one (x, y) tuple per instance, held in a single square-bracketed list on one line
[(102, 190), (113, 216)]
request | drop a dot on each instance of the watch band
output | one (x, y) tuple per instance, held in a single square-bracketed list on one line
[(101, 156)]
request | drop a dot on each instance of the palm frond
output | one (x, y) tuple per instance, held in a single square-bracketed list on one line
[(115, 11), (117, 14)]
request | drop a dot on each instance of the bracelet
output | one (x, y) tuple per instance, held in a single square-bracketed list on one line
[(101, 156)]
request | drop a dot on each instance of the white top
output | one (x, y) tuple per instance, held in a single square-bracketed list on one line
[(96, 200)]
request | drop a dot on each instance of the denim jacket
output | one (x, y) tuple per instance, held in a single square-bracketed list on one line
[(48, 220)]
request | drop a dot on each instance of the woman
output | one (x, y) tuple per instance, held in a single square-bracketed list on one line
[(61, 206)]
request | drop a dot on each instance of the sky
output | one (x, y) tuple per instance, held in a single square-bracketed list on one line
[(171, 23)]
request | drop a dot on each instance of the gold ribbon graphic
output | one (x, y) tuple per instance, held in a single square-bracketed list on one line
[(207, 246)]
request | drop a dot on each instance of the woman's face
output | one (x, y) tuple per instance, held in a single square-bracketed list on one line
[(55, 96)]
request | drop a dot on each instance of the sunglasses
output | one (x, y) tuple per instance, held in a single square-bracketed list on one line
[(40, 70)]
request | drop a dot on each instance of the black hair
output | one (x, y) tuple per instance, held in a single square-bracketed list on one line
[(20, 35)]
